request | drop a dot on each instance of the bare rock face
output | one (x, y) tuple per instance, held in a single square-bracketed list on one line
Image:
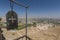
[(1, 35)]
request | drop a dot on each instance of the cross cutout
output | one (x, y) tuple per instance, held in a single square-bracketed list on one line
[(12, 19)]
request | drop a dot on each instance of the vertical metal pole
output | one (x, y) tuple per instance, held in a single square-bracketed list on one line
[(0, 30), (26, 23), (11, 5)]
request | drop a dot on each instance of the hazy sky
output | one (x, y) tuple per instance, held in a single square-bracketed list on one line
[(38, 8)]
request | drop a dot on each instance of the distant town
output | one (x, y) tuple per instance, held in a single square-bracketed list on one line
[(40, 23)]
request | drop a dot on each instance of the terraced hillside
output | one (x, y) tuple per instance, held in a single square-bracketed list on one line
[(34, 33)]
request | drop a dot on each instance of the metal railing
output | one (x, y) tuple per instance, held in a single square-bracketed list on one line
[(23, 38)]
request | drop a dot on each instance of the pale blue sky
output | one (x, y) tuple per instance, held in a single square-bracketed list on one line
[(38, 8)]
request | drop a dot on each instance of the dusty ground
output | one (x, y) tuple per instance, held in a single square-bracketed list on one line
[(34, 34)]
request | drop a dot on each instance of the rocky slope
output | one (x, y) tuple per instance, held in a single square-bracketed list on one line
[(34, 33)]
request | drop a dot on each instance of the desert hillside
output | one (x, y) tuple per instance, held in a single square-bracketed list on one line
[(34, 33)]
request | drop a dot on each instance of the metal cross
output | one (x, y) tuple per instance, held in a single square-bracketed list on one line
[(12, 19)]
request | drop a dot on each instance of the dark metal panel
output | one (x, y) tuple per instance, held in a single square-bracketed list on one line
[(12, 20)]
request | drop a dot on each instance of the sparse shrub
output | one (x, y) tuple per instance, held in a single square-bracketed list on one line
[(34, 24)]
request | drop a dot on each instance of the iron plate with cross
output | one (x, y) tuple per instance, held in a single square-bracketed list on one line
[(12, 20)]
